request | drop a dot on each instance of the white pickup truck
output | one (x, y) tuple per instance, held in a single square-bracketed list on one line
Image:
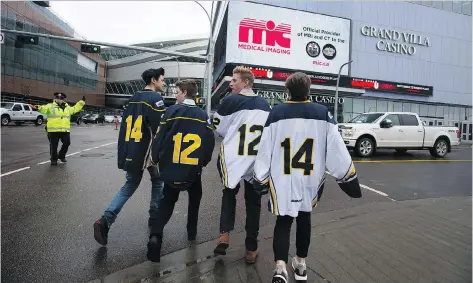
[(19, 113), (396, 130)]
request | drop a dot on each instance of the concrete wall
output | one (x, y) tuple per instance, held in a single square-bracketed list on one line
[(445, 65)]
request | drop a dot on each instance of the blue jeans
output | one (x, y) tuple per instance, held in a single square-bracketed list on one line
[(133, 180)]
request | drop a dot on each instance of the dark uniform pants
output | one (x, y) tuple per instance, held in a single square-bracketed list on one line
[(166, 208), (253, 211), (54, 138)]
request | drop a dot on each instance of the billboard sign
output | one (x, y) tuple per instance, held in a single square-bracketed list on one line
[(278, 37)]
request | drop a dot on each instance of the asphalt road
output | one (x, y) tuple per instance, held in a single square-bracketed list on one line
[(48, 212)]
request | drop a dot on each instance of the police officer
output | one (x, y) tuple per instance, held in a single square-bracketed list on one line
[(59, 124)]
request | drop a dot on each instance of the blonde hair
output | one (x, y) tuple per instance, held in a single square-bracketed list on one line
[(245, 74)]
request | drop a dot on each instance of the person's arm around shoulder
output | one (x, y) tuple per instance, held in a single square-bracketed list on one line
[(221, 119), (209, 141), (158, 141), (156, 111)]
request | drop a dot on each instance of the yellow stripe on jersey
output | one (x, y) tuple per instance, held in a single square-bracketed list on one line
[(186, 118), (224, 167), (274, 200), (291, 101), (147, 104)]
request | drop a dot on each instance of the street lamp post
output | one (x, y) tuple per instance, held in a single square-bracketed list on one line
[(178, 69), (336, 90), (210, 56)]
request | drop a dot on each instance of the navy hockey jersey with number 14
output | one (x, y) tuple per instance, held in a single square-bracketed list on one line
[(183, 145), (139, 125), (240, 121), (300, 141)]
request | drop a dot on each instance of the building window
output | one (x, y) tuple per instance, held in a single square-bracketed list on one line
[(466, 8), (382, 106), (358, 106), (447, 5)]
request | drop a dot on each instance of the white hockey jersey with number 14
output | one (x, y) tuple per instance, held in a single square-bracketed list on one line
[(240, 121), (300, 141)]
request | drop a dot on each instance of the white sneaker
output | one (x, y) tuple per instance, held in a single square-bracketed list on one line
[(280, 274), (300, 269)]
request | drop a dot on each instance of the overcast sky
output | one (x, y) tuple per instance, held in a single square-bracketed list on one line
[(129, 22)]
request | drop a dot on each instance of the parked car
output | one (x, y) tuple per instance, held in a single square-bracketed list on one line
[(93, 118), (109, 118), (19, 113), (396, 130)]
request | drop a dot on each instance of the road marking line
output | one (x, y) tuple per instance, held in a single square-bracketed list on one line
[(14, 171), (376, 191), (87, 149), (71, 154), (370, 189), (398, 161)]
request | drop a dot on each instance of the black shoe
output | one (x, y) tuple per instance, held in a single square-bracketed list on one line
[(63, 160), (101, 231), (54, 162), (154, 249)]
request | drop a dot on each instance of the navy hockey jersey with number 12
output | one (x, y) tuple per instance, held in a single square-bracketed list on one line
[(300, 141), (183, 145), (139, 125), (240, 121)]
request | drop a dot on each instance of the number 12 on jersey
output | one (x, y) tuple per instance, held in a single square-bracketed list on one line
[(301, 160)]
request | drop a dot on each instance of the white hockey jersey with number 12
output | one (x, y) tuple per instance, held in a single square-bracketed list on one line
[(240, 121), (300, 141)]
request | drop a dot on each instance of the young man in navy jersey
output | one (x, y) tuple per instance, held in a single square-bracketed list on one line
[(182, 147), (140, 122)]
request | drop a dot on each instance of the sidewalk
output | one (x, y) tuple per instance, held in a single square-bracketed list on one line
[(410, 241)]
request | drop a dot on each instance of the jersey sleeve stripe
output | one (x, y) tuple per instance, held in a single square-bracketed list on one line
[(224, 167), (316, 199), (147, 104), (210, 128), (274, 199)]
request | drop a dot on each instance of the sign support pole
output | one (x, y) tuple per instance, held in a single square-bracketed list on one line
[(335, 110)]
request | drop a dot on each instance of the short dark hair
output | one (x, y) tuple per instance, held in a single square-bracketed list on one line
[(188, 85), (152, 73), (298, 85)]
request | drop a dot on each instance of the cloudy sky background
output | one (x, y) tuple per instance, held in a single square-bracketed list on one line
[(131, 22)]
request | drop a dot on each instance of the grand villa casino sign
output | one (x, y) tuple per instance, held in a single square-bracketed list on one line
[(395, 41), (282, 96)]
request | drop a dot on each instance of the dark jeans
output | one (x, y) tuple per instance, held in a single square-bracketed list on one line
[(54, 138), (253, 211), (282, 232), (133, 180), (166, 208)]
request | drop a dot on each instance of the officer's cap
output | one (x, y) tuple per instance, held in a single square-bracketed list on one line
[(60, 95)]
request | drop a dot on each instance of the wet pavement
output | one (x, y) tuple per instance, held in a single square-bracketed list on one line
[(425, 240), (48, 212)]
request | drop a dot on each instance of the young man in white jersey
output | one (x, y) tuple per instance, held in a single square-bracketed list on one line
[(300, 141), (240, 120)]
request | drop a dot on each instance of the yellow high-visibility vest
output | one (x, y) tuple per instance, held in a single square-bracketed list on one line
[(59, 120)]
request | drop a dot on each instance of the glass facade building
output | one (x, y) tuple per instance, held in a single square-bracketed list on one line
[(53, 65)]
